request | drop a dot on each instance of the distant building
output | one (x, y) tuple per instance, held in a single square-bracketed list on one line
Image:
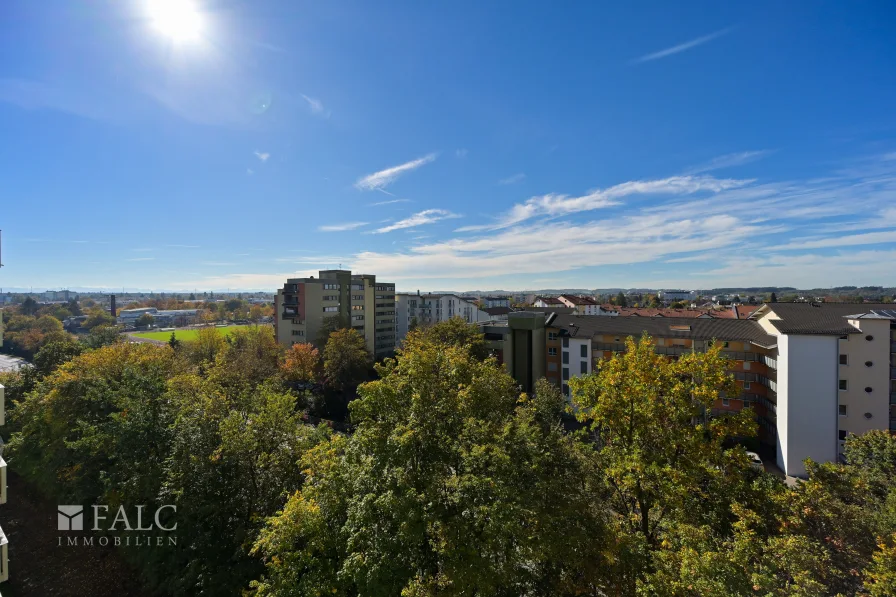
[(547, 301), (424, 309), (584, 305), (161, 317), (671, 296), (368, 306), (492, 302)]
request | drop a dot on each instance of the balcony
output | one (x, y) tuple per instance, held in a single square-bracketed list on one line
[(893, 398), (892, 372), (892, 345)]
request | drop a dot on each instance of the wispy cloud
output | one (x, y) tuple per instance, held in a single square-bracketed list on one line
[(555, 205), (389, 202), (250, 171), (427, 216), (143, 250), (384, 178), (730, 160), (141, 259), (735, 225), (263, 156), (341, 227), (461, 153), (316, 106), (183, 246), (217, 263), (682, 47), (519, 177)]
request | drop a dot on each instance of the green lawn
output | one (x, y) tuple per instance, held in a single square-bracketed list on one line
[(184, 334)]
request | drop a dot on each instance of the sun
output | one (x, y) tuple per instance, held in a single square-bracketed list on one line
[(179, 20)]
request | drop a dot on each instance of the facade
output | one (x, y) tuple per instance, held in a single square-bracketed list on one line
[(547, 301), (424, 309), (670, 296), (161, 317), (584, 305), (519, 343), (368, 306), (495, 302)]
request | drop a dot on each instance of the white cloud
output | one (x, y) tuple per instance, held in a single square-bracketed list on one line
[(682, 47), (869, 238), (384, 178), (519, 177), (341, 227), (262, 156), (730, 161), (427, 216), (316, 106), (555, 205), (389, 202), (141, 259)]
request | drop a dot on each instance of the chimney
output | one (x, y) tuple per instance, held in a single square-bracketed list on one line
[(112, 309)]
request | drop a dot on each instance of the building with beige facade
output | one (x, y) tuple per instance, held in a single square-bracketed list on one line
[(357, 300)]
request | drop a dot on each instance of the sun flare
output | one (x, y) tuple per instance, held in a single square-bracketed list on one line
[(179, 20)]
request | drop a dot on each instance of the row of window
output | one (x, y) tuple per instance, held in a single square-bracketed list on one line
[(331, 309), (298, 332), (844, 385), (330, 297), (331, 286), (357, 307), (357, 297)]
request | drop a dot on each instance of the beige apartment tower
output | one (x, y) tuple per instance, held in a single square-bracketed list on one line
[(359, 301)]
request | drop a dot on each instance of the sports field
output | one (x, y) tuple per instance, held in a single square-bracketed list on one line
[(184, 334)]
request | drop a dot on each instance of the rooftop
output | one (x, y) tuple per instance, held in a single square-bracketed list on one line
[(826, 319), (743, 330)]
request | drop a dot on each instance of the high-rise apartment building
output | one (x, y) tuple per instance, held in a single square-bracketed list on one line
[(358, 300)]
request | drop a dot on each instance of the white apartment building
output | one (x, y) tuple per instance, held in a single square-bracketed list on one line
[(676, 295), (584, 305), (836, 375), (423, 309)]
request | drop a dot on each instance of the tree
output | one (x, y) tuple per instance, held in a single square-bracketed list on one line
[(774, 298), (144, 321), (452, 332), (654, 444), (346, 360), (620, 299), (53, 354), (96, 318), (173, 342), (328, 326), (256, 313), (29, 306), (451, 484), (300, 363), (678, 305), (103, 335)]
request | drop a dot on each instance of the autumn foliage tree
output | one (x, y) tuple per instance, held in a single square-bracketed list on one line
[(300, 363)]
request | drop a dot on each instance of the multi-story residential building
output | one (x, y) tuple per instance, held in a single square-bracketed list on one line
[(423, 309), (670, 296), (547, 301), (837, 357), (494, 302), (368, 306), (584, 305)]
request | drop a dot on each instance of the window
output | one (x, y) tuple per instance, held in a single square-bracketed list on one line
[(844, 359), (565, 390), (566, 343), (552, 351), (552, 335), (298, 332), (724, 345), (725, 402), (842, 435), (746, 385), (357, 307), (552, 367), (357, 297), (584, 367), (746, 365), (842, 410), (566, 357), (842, 384), (331, 297), (331, 309), (584, 351), (565, 373), (358, 317)]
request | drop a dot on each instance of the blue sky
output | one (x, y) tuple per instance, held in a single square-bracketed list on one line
[(461, 145)]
